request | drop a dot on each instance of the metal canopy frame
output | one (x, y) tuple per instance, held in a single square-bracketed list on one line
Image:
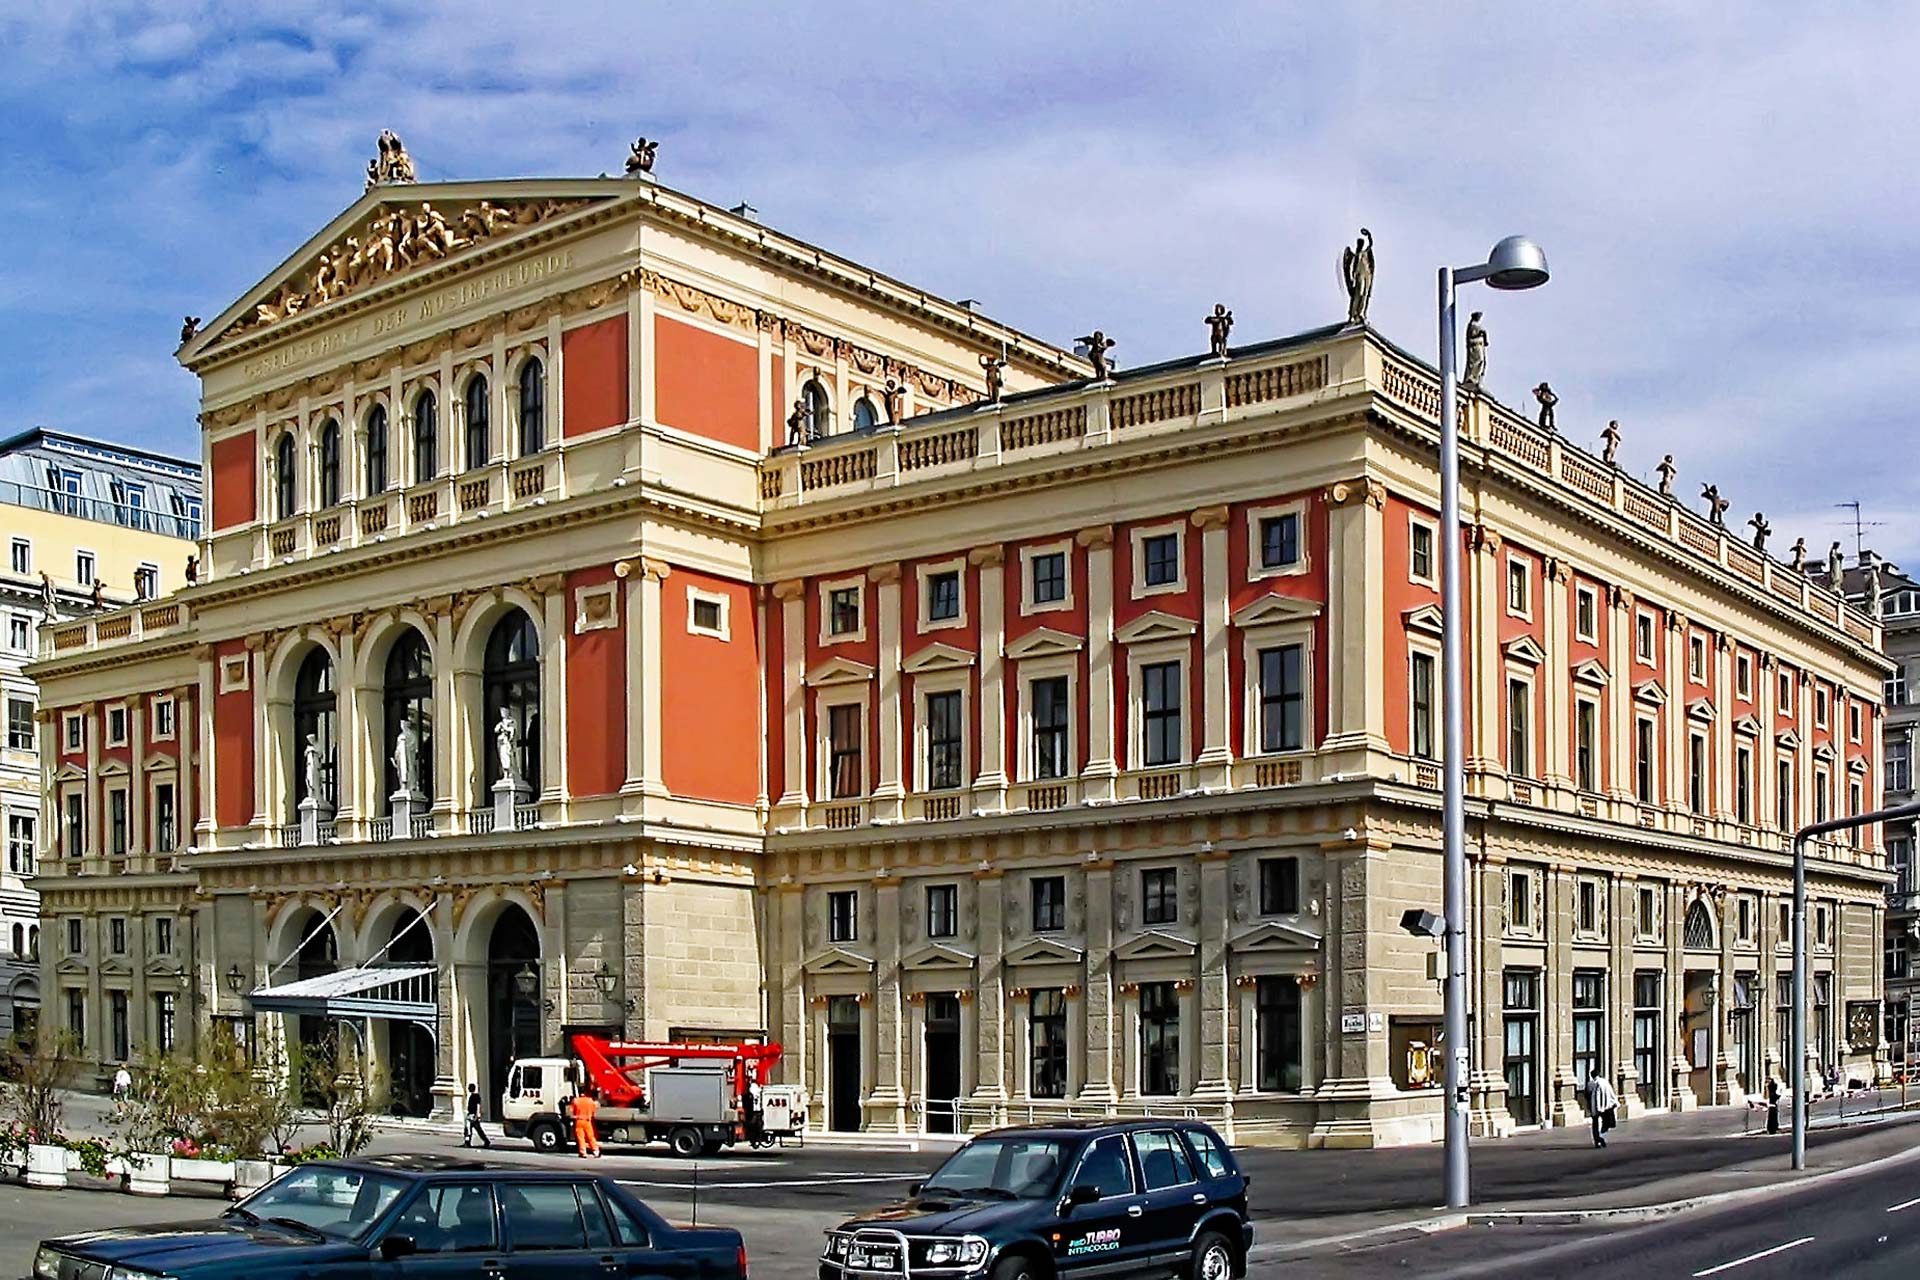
[(400, 992)]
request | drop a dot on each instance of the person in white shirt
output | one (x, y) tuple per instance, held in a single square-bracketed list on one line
[(122, 1083), (1601, 1101)]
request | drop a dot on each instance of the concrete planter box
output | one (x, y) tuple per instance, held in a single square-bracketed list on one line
[(46, 1166), (197, 1170), (251, 1175), (149, 1175)]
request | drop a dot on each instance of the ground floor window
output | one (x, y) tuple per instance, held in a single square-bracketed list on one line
[(1047, 1023), (117, 1025), (1646, 1034), (1740, 1029), (163, 1022), (1521, 1033), (1159, 1038), (1783, 1021), (77, 1016), (1820, 1032), (1276, 1008), (1589, 1022)]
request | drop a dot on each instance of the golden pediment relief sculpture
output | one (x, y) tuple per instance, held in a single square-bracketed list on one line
[(394, 241)]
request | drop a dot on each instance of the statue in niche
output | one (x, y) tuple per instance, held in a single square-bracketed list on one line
[(1356, 273), (406, 758), (1476, 353), (1219, 325), (506, 741), (310, 755)]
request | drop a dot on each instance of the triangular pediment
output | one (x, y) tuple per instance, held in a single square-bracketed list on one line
[(1045, 643), (1650, 691), (163, 968), (1789, 739), (1702, 709), (116, 965), (1425, 618), (938, 955), (1823, 751), (1154, 944), (1156, 625), (1856, 765), (114, 769), (937, 657), (1747, 727), (840, 671), (1591, 672), (1044, 951), (1273, 609), (1273, 935), (70, 965), (70, 772), (1524, 649), (839, 960), (160, 763), (390, 235)]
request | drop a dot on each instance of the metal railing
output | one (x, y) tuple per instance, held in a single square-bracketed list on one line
[(146, 519)]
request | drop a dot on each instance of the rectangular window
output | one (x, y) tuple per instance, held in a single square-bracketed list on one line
[(1159, 896), (19, 725), (83, 568), (843, 611), (843, 918), (943, 596), (1821, 787), (1783, 795), (709, 618), (1050, 712), (1520, 1026), (1049, 571), (117, 935), (1589, 1022), (1279, 886), (1743, 919), (1899, 752), (1820, 708), (1786, 694), (20, 850), (1589, 918), (1697, 772), (1160, 719), (1520, 900), (1280, 541), (1421, 551), (1159, 1039), (19, 632), (1160, 559), (21, 557), (163, 823), (1585, 611), (1643, 637), (845, 729), (1743, 677), (1519, 726), (1420, 674), (1743, 785), (1895, 686), (117, 1025), (1047, 1025), (943, 910), (1518, 596), (76, 826), (1586, 744), (1643, 760), (1276, 1011), (117, 822), (1697, 659), (116, 726), (1645, 924), (1282, 699), (946, 740), (163, 718), (1049, 904), (163, 1021), (77, 1016), (76, 732), (1646, 1034), (75, 942), (163, 935)]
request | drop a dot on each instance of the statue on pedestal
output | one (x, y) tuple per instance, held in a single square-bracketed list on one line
[(1219, 324), (994, 367), (1544, 394), (1097, 345), (310, 755), (1667, 472), (1716, 505), (406, 759), (797, 433), (1761, 530), (1610, 442), (49, 604), (1836, 566), (1799, 562), (1476, 372), (1873, 583), (506, 738), (1356, 273)]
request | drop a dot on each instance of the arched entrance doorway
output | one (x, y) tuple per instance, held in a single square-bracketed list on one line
[(410, 1046), (316, 954), (514, 1004)]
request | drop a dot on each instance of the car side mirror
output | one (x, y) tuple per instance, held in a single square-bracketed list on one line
[(913, 1188), (1082, 1194), (398, 1246)]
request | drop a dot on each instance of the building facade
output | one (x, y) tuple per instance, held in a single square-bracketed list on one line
[(78, 514), (622, 616)]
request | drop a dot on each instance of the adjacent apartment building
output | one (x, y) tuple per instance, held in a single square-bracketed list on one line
[(621, 615), (76, 514)]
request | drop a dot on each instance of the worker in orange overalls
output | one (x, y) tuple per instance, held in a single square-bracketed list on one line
[(584, 1138)]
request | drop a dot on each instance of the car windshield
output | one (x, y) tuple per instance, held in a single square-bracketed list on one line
[(1000, 1169), (341, 1203)]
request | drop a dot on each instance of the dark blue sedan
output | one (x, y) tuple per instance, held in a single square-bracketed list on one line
[(410, 1216)]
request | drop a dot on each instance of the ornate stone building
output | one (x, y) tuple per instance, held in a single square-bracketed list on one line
[(622, 615)]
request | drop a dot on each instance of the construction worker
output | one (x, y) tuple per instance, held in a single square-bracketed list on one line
[(584, 1138)]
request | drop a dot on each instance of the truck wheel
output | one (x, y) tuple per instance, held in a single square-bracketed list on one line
[(545, 1137), (685, 1141)]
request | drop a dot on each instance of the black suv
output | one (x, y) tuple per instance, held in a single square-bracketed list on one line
[(1077, 1198), (409, 1215)]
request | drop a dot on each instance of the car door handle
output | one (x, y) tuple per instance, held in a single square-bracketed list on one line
[(1134, 1211), (1199, 1198)]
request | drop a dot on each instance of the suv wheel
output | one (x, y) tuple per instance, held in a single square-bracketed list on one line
[(1016, 1266), (1212, 1258)]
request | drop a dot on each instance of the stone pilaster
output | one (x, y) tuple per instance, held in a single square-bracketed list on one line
[(1484, 663), (792, 804), (991, 1087), (1618, 704), (990, 786), (1104, 754), (1356, 627), (1100, 1031), (1557, 725), (1211, 1080), (643, 632), (886, 1106), (889, 787), (1213, 766)]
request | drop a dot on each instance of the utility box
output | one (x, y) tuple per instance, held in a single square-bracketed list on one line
[(691, 1095)]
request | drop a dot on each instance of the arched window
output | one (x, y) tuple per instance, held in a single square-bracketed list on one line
[(329, 463), (283, 464), (479, 437), (20, 940), (377, 450), (511, 675), (533, 407), (426, 437), (1699, 928), (407, 698), (313, 717), (33, 942), (819, 410), (865, 418)]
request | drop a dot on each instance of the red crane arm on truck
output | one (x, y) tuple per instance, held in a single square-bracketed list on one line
[(616, 1068)]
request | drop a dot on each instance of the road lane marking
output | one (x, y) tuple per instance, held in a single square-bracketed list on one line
[(1904, 1204), (1753, 1257)]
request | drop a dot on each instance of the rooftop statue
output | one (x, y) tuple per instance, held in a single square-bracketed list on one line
[(1836, 565), (994, 367), (1219, 325), (1761, 530), (640, 156), (1098, 344), (1716, 505), (1476, 353), (1610, 441), (1544, 394), (1799, 562), (1356, 273), (393, 164), (1667, 472)]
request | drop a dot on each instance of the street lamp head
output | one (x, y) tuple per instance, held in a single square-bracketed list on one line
[(1516, 263)]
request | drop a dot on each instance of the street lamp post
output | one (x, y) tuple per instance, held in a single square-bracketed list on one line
[(1515, 263)]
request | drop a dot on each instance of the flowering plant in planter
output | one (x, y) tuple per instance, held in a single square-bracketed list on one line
[(93, 1154)]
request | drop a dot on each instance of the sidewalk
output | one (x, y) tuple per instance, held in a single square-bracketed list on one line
[(1565, 1179)]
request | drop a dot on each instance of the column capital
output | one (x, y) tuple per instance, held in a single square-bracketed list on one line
[(991, 556), (789, 589), (884, 573), (1360, 489), (1100, 535), (1214, 517)]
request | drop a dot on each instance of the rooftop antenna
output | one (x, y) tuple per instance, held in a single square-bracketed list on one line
[(1859, 526)]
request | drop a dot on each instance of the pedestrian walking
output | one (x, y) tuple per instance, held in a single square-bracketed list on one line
[(584, 1139), (1601, 1104), (122, 1085), (475, 1106), (1773, 1104)]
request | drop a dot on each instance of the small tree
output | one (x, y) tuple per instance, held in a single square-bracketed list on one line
[(38, 1077), (349, 1100), (276, 1114)]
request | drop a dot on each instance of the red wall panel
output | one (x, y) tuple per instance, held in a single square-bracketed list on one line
[(594, 372), (596, 694), (706, 383), (709, 696), (233, 480)]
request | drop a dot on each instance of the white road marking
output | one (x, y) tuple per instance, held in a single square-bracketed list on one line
[(1904, 1204), (833, 1181), (1753, 1257)]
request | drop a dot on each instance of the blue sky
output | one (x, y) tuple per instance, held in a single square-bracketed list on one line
[(1725, 189)]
